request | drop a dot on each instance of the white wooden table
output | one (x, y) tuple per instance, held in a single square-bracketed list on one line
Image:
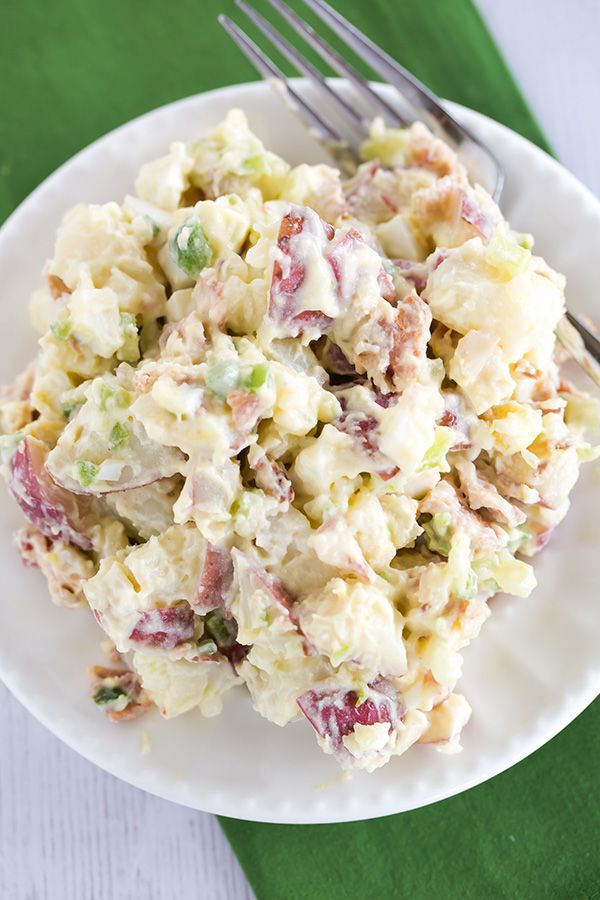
[(70, 832)]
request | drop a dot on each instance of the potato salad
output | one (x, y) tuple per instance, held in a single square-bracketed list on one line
[(290, 432)]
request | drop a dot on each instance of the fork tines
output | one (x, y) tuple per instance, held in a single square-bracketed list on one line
[(339, 120)]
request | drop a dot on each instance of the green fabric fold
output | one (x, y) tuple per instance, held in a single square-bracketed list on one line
[(71, 71)]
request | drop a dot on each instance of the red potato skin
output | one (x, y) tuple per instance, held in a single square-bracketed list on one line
[(47, 506), (144, 480), (216, 580), (474, 215), (333, 714), (164, 628)]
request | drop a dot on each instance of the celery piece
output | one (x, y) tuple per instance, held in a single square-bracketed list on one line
[(506, 256), (105, 394), (435, 457), (223, 378), (61, 329), (118, 435), (86, 471), (119, 397), (129, 351), (190, 249), (470, 588), (437, 532), (518, 536)]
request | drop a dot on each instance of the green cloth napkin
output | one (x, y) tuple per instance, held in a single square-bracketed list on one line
[(72, 70)]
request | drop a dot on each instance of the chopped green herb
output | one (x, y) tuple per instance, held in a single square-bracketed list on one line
[(253, 164), (61, 329), (86, 471), (257, 377), (118, 435), (155, 228), (223, 631), (108, 694), (190, 249), (69, 407)]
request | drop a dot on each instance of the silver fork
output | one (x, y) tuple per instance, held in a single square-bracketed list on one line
[(343, 139)]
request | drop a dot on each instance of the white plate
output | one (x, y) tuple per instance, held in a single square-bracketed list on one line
[(532, 670)]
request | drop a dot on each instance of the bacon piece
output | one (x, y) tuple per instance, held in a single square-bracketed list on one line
[(449, 214), (245, 409), (362, 428), (482, 494), (429, 152), (164, 628), (121, 681), (64, 584), (513, 490), (349, 243), (270, 476), (47, 506), (216, 580), (388, 345), (334, 713), (409, 339), (444, 499), (384, 400), (289, 274), (57, 287)]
